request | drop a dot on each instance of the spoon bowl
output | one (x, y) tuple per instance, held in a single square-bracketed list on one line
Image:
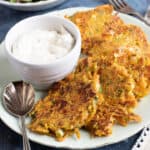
[(18, 100)]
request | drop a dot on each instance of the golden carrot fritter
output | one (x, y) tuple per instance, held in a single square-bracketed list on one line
[(137, 64), (102, 24), (92, 23), (118, 84), (117, 87), (70, 104), (108, 113)]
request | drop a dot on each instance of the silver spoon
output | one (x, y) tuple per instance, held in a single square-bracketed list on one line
[(18, 100)]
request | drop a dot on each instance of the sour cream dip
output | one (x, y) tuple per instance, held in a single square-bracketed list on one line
[(42, 46)]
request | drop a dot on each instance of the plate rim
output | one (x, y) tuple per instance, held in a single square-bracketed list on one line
[(69, 146)]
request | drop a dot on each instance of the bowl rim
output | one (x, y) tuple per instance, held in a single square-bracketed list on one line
[(29, 4), (55, 62)]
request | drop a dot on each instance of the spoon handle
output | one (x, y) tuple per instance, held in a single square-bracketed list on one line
[(26, 144)]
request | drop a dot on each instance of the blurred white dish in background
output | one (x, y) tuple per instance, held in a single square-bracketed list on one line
[(32, 6)]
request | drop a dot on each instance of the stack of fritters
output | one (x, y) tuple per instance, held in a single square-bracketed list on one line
[(106, 85), (120, 51)]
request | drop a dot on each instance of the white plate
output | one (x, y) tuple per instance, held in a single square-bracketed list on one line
[(32, 6), (86, 142)]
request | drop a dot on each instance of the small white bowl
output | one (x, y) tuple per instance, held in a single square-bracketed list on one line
[(32, 6), (43, 75)]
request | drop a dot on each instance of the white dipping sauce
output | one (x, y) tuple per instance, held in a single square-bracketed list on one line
[(42, 46)]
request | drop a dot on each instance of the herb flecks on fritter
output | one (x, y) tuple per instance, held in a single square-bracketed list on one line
[(118, 84)]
